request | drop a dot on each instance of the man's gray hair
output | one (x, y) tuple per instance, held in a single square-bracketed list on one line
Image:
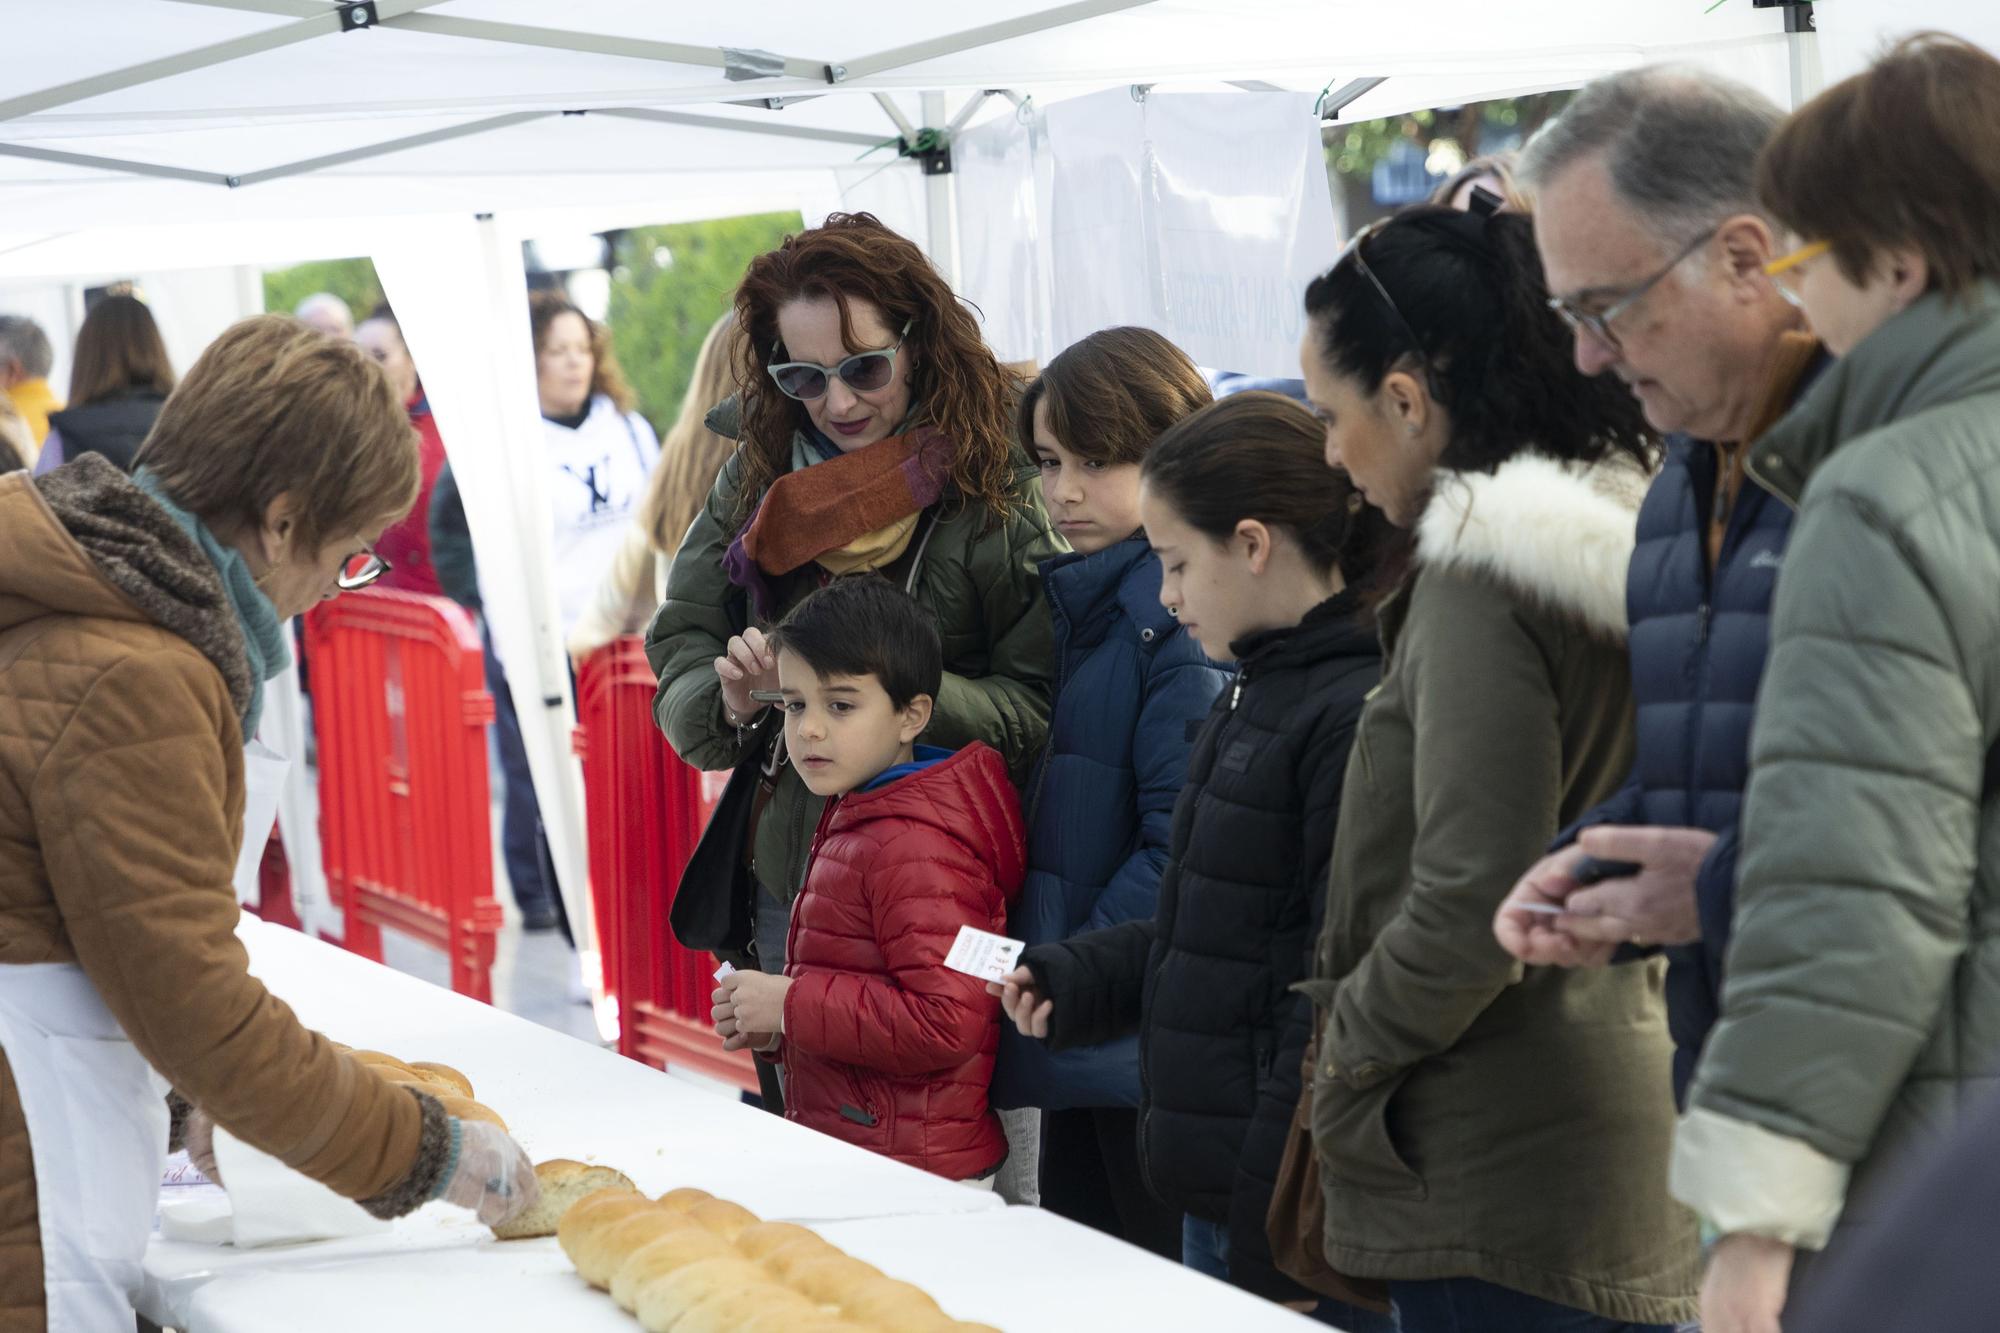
[(22, 341), (1679, 143), (327, 302)]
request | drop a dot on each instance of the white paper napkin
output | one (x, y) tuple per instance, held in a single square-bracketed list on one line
[(275, 1205)]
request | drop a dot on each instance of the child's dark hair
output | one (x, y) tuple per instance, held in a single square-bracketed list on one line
[(1111, 394), (866, 626), (1260, 455), (1469, 289)]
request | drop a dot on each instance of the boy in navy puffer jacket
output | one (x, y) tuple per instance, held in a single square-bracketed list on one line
[(1131, 689)]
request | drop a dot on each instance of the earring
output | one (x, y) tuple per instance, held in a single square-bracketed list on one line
[(1410, 427)]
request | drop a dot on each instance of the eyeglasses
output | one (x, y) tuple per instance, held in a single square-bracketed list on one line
[(863, 372), (1802, 255), (361, 569), (1598, 323), (1353, 252)]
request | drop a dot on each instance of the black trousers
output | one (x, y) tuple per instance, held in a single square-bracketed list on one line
[(1090, 1174)]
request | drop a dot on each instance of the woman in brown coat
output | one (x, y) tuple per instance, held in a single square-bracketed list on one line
[(139, 618)]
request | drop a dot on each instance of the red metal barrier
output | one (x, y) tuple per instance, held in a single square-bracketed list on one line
[(645, 810), (401, 711)]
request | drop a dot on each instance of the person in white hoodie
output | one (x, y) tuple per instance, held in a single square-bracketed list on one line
[(600, 451)]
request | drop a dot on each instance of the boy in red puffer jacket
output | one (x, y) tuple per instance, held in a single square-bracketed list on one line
[(884, 1046)]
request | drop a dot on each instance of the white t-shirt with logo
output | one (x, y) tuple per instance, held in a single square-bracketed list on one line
[(598, 475)]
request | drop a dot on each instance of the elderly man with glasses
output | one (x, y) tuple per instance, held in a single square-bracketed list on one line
[(1656, 251)]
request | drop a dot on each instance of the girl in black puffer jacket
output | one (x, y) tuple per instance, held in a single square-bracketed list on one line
[(1267, 559)]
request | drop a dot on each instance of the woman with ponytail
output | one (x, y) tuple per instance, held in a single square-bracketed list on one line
[(1267, 560), (1491, 1138)]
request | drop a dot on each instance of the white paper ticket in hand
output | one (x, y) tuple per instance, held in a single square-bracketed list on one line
[(979, 953)]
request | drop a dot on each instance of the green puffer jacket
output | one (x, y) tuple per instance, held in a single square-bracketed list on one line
[(1861, 1009), (983, 582), (1474, 1118)]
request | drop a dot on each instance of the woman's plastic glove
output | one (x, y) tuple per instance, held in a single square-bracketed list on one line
[(488, 1172)]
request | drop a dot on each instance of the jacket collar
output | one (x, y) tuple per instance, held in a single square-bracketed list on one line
[(1084, 588), (1337, 627), (1936, 352), (1558, 533)]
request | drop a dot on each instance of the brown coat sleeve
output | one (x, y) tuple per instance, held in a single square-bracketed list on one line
[(139, 807)]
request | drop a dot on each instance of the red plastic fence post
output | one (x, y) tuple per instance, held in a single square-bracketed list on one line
[(402, 710)]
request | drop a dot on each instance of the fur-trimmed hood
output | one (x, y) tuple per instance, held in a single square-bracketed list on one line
[(1560, 533)]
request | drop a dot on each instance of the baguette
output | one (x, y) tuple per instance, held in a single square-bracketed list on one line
[(729, 1220), (663, 1255), (445, 1074), (894, 1307), (563, 1183), (685, 1198), (579, 1226), (663, 1301), (765, 1238), (599, 1257)]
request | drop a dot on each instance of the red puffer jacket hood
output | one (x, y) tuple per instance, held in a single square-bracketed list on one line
[(884, 1046)]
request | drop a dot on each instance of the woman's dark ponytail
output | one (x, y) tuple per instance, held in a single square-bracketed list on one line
[(1471, 291)]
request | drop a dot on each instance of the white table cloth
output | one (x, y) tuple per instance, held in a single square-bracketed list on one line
[(1019, 1268)]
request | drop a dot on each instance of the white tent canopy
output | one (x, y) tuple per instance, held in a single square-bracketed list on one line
[(155, 135)]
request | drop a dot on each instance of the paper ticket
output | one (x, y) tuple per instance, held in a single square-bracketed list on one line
[(979, 953)]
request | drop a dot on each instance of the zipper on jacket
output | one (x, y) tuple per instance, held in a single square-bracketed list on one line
[(1702, 616), (858, 1115), (1055, 695)]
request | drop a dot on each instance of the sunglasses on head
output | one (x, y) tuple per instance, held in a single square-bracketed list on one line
[(863, 372)]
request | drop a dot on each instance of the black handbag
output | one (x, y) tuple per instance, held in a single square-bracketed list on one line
[(715, 906)]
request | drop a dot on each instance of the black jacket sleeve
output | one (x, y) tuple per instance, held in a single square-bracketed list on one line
[(451, 543), (1323, 769), (1096, 980)]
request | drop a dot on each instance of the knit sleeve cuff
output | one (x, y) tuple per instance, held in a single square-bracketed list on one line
[(1744, 1178), (427, 1176), (178, 1111)]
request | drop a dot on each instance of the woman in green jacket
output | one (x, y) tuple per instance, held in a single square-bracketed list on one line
[(876, 434), (1490, 1137), (1861, 1021)]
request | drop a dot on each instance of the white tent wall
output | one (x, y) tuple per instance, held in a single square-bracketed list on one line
[(1854, 32), (1199, 215)]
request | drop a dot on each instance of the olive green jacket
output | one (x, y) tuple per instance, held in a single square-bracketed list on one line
[(1474, 1118), (1861, 1007), (983, 581)]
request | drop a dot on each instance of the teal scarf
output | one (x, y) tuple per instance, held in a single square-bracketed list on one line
[(263, 632)]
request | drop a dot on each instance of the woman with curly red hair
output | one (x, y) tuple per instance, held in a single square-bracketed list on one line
[(876, 434)]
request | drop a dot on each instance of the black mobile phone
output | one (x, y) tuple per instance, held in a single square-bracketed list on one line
[(1591, 870)]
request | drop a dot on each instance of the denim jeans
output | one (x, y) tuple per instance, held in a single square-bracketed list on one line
[(1468, 1305), (1205, 1249)]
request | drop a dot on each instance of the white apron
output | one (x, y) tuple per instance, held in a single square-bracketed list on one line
[(97, 1121)]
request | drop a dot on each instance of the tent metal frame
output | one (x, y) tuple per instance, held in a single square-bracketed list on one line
[(318, 18)]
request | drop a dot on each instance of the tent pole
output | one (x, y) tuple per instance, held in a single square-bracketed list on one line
[(368, 151), (184, 62), (896, 117), (673, 53), (1337, 101), (863, 66), (938, 198), (112, 164), (776, 128)]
